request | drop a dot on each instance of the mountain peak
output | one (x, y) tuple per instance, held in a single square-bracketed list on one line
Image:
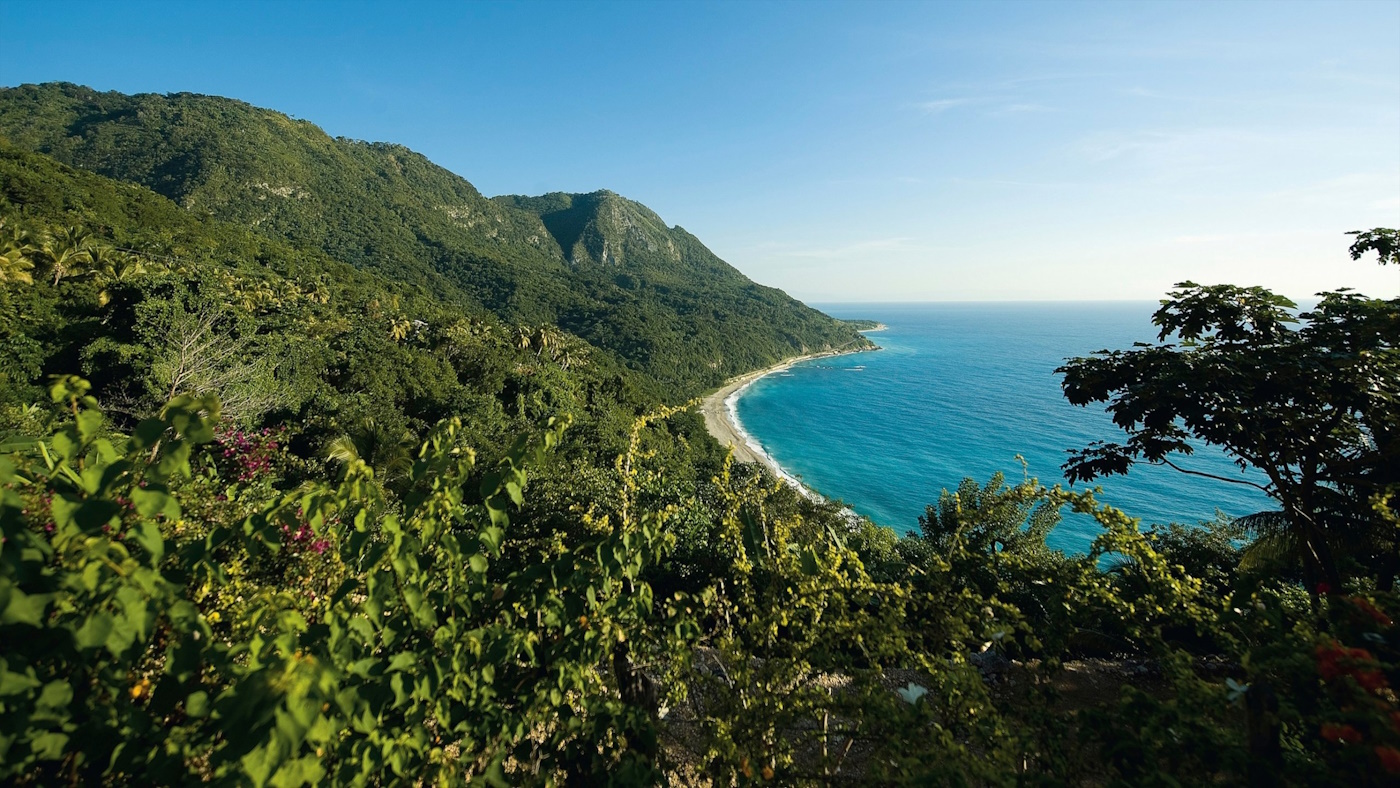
[(602, 228), (599, 265)]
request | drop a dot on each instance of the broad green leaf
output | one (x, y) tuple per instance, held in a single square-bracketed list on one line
[(55, 695), (22, 608), (12, 683), (89, 424), (64, 446), (306, 770), (147, 534), (49, 746), (94, 631), (259, 764), (147, 434), (151, 502), (174, 461), (491, 538)]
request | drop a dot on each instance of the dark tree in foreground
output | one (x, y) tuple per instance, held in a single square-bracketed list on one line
[(1382, 240), (1312, 400)]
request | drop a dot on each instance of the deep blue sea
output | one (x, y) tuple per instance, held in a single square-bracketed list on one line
[(958, 390)]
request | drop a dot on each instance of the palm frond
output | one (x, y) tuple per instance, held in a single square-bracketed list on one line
[(1271, 549), (342, 450), (1261, 524)]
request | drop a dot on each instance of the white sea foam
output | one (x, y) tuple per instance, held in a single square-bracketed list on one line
[(731, 406)]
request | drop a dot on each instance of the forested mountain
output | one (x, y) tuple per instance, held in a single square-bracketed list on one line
[(604, 268), (319, 468), (301, 337)]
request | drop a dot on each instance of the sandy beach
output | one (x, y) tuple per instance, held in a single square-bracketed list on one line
[(720, 422)]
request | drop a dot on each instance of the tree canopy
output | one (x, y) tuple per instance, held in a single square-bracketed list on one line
[(1309, 398), (603, 268)]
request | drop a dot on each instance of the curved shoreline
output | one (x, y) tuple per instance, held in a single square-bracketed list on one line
[(722, 422)]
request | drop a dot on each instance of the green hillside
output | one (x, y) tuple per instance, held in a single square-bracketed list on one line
[(330, 348), (658, 296), (319, 468), (604, 268)]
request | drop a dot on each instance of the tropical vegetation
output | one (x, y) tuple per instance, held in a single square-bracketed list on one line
[(313, 472)]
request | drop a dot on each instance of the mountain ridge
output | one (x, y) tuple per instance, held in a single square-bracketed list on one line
[(597, 265)]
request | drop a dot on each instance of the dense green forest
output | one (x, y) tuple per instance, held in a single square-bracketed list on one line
[(863, 325), (600, 267), (306, 479)]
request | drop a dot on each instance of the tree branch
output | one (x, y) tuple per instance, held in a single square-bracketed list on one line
[(1260, 487)]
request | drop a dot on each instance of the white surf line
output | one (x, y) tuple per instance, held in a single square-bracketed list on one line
[(731, 407)]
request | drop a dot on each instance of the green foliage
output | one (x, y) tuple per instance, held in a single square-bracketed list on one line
[(337, 633), (605, 269), (793, 684), (101, 646), (1313, 407), (282, 335), (433, 658), (863, 325), (326, 524), (1384, 241)]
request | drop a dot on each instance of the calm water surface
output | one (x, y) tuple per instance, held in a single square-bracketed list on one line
[(959, 390)]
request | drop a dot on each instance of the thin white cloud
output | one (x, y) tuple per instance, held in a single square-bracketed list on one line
[(1171, 149), (1013, 83), (938, 106), (941, 105), (1018, 184)]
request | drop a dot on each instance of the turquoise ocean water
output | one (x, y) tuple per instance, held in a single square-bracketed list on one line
[(960, 389)]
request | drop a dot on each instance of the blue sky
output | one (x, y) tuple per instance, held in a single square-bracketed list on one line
[(879, 151)]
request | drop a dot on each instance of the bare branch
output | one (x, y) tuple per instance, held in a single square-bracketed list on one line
[(1171, 464)]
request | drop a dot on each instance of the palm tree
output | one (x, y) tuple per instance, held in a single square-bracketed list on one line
[(546, 338), (68, 250), (15, 267), (15, 256), (387, 451), (111, 266), (566, 350), (318, 292)]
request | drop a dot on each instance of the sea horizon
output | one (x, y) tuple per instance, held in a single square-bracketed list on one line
[(959, 390)]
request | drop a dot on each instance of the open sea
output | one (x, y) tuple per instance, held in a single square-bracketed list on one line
[(958, 390)]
